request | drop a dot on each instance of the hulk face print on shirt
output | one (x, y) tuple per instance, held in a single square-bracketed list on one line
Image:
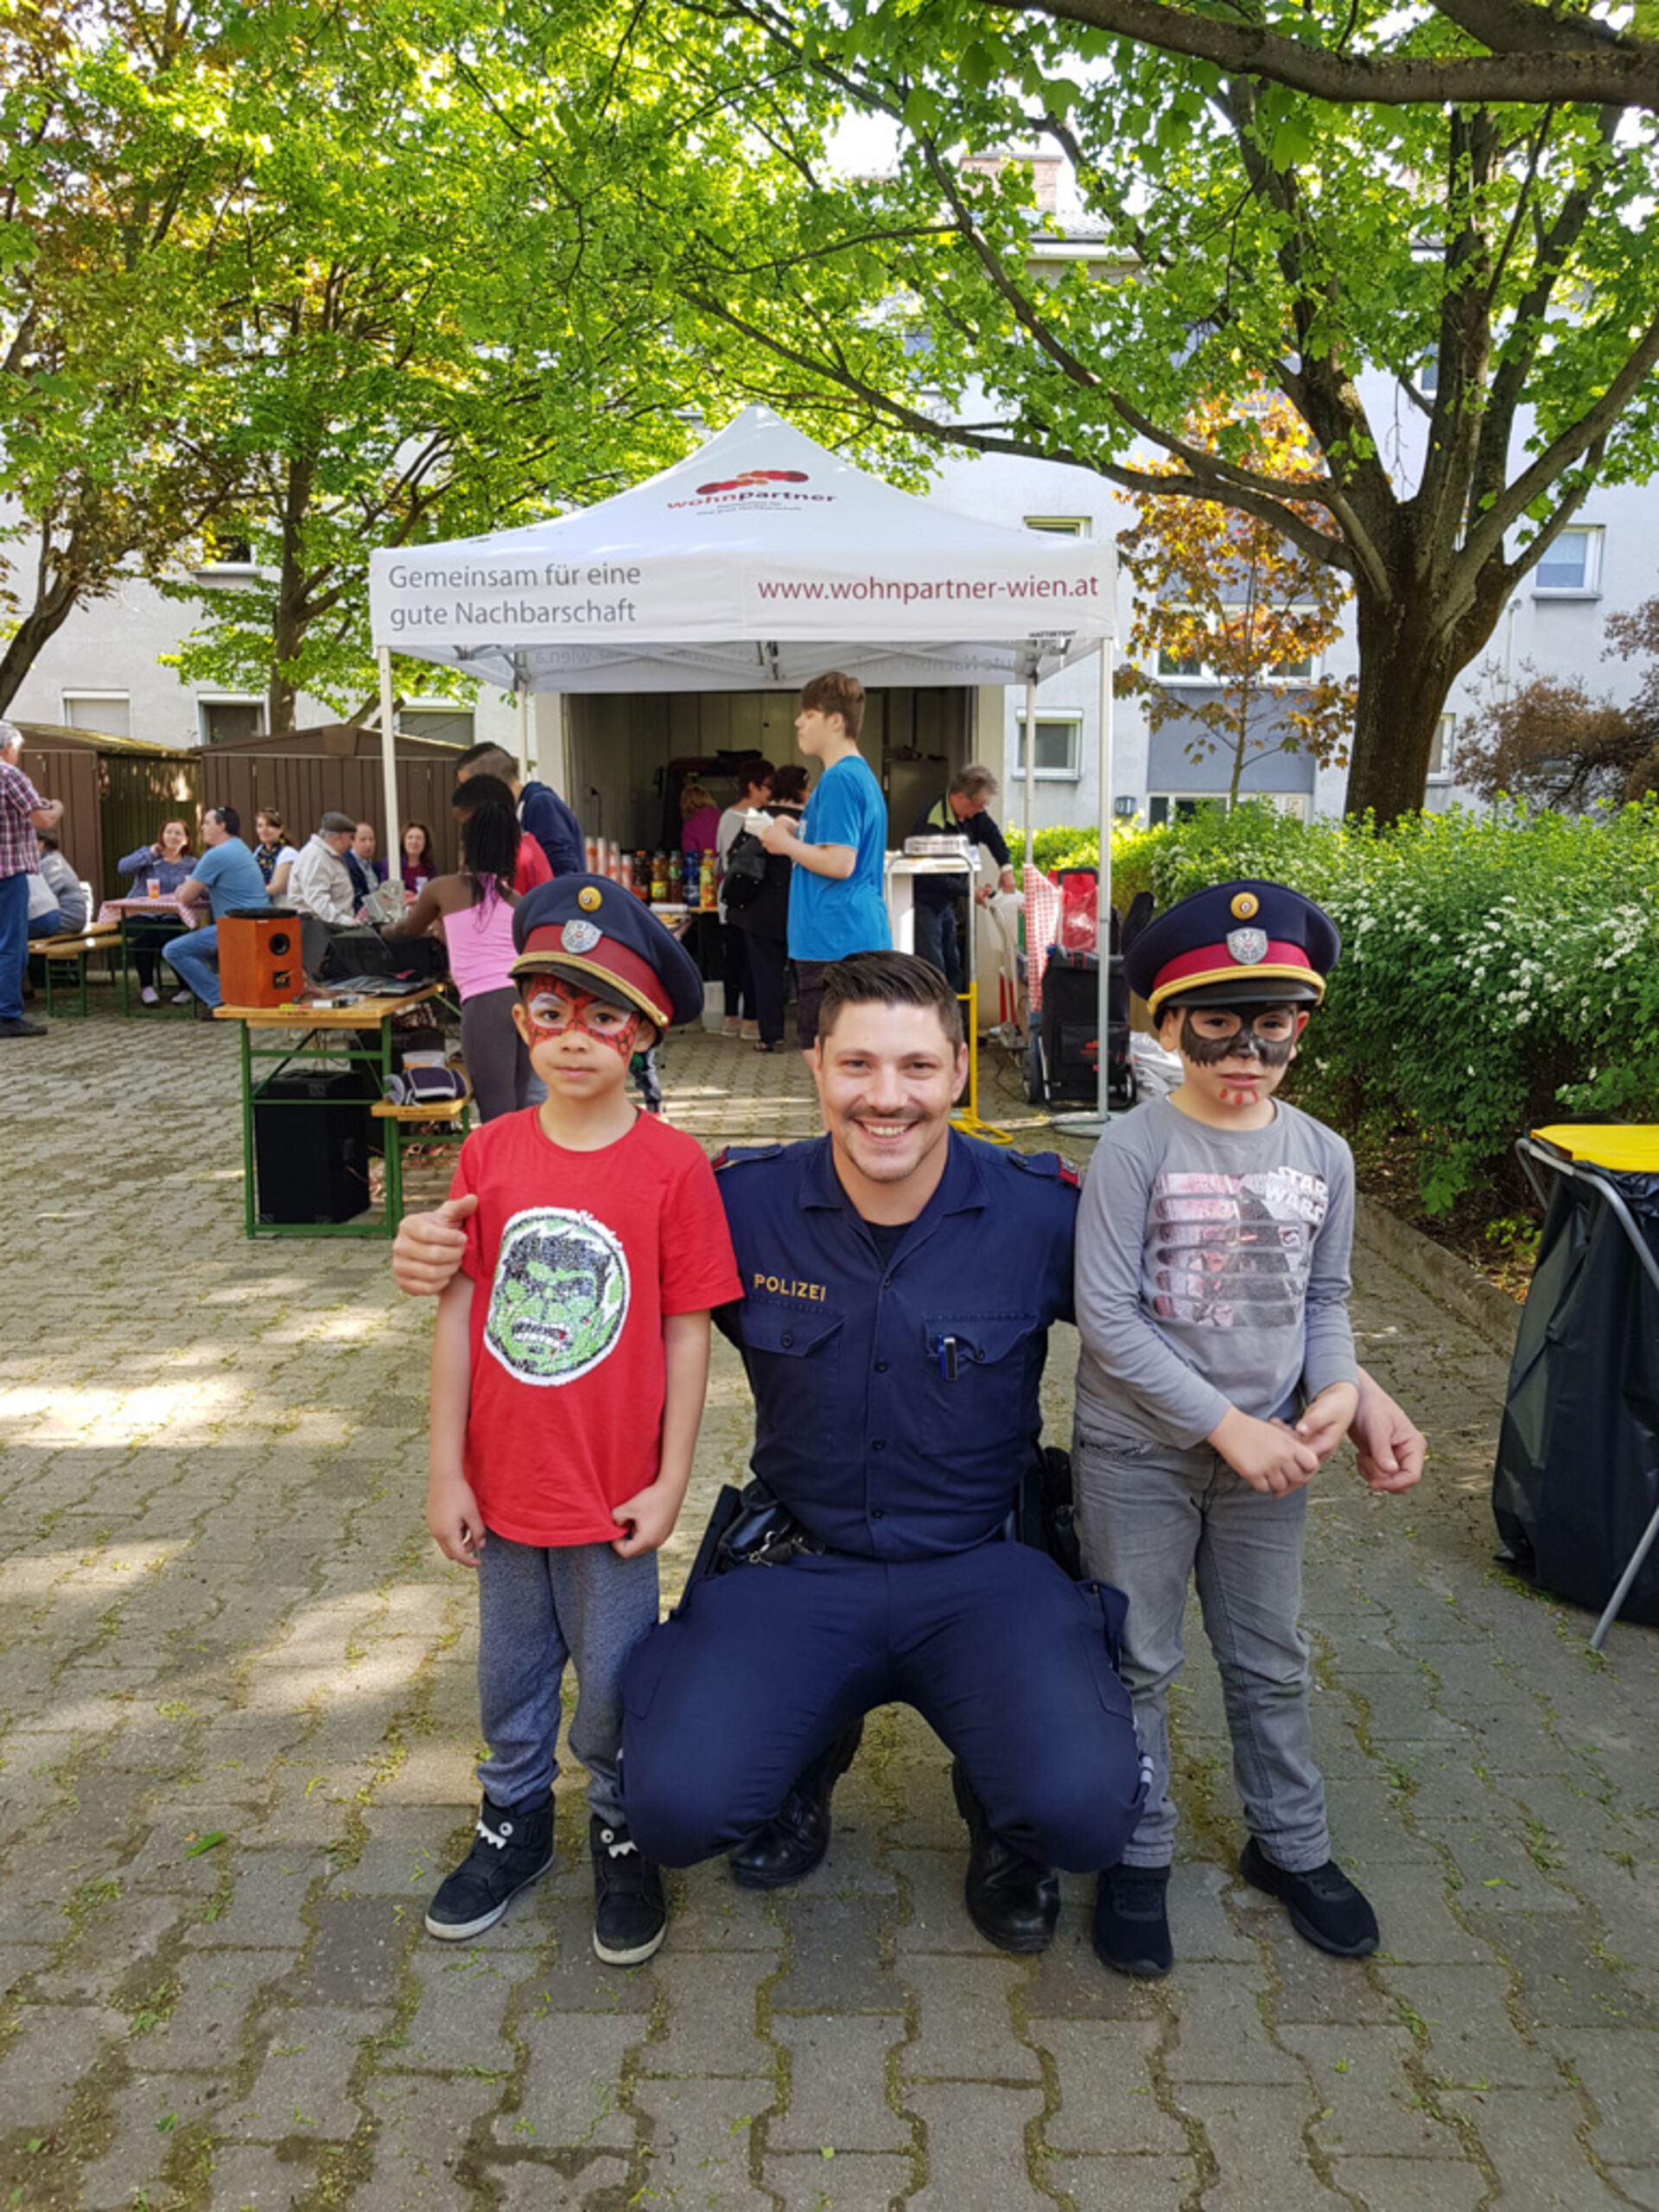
[(560, 1295)]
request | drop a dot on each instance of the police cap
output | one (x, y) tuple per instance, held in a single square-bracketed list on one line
[(1238, 942), (599, 935)]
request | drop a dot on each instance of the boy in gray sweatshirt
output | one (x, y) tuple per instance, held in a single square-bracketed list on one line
[(1217, 1374)]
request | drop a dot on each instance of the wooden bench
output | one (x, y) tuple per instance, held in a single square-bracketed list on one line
[(74, 945), (446, 1120)]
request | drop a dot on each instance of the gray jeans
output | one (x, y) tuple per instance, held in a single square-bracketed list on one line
[(1151, 1518), (537, 1608)]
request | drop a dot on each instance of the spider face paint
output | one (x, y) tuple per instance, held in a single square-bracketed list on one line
[(555, 1009), (1212, 1034)]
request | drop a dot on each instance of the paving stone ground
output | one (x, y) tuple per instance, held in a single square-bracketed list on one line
[(239, 1730)]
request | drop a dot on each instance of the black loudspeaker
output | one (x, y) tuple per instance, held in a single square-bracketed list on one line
[(311, 1147), (1071, 1020)]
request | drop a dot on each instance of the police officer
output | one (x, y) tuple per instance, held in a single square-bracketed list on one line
[(899, 1281)]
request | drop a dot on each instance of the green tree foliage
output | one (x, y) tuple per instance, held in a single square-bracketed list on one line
[(1223, 594), (1497, 973), (311, 279), (111, 182), (1240, 232)]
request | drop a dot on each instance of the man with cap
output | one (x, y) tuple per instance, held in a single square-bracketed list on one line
[(1217, 1375), (570, 1365)]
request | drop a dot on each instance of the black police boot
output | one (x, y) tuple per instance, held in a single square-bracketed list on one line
[(512, 1847), (797, 1836), (630, 1918), (1014, 1901)]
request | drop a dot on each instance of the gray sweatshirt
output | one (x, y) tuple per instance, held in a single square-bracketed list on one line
[(1212, 1271)]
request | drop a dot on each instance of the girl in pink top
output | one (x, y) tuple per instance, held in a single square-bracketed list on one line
[(472, 910)]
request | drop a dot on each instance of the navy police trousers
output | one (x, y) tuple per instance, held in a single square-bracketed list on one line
[(763, 1667)]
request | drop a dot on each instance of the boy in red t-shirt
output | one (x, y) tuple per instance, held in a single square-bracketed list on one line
[(568, 1371)]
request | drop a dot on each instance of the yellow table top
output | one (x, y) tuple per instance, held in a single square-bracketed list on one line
[(363, 1013), (1632, 1147)]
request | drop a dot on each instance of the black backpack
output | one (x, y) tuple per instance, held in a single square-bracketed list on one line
[(745, 871)]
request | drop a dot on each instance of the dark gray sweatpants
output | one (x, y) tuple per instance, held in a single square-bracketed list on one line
[(537, 1608)]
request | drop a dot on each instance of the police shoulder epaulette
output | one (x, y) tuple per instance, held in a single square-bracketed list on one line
[(1048, 1165), (740, 1155)]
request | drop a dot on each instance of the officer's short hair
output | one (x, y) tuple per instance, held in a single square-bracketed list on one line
[(484, 759), (975, 782), (832, 693), (889, 979)]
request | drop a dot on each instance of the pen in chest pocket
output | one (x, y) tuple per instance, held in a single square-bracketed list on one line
[(946, 1349)]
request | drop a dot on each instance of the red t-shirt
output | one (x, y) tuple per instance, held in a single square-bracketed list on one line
[(534, 867), (577, 1258)]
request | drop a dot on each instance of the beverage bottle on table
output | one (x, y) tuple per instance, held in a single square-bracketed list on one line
[(706, 894)]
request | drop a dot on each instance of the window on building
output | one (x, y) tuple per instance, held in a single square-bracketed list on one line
[(1291, 671), (1060, 746), (1181, 668), (1181, 806), (1439, 759), (1061, 525), (1428, 375), (447, 723), (1573, 563), (223, 720), (110, 713)]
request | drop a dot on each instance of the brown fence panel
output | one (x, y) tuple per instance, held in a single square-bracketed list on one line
[(304, 786), (139, 795)]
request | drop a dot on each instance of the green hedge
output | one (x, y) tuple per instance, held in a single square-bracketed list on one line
[(1497, 972), (1134, 852)]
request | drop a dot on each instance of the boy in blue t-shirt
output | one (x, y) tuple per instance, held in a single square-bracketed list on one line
[(835, 903)]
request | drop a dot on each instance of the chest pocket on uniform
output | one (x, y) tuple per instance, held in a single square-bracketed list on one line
[(792, 1332), (959, 1351)]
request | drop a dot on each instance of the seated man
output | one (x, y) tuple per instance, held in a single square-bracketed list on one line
[(74, 907), (320, 882), (225, 876), (900, 1280)]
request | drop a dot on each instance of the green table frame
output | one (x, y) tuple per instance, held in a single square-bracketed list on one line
[(360, 1036)]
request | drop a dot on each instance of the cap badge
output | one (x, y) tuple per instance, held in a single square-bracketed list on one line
[(590, 894), (1248, 947), (1244, 905), (579, 936)]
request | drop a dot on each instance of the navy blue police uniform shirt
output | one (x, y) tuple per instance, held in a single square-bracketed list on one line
[(896, 1390), (555, 829)]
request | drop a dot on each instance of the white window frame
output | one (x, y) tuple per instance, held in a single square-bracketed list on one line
[(1441, 754), (1072, 717), (1172, 799), (88, 694), (1062, 526), (1594, 534), (205, 699), (450, 707)]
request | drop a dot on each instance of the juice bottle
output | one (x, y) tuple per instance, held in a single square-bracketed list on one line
[(706, 898)]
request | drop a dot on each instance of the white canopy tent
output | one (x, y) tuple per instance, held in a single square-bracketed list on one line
[(752, 565)]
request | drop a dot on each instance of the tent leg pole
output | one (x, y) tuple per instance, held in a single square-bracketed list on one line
[(1104, 945), (1030, 857), (389, 766), (522, 701)]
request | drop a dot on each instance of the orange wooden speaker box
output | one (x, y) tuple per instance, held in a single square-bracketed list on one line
[(259, 958)]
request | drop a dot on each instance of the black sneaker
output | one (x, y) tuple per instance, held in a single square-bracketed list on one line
[(630, 1919), (512, 1847), (20, 1026), (1132, 1922), (1324, 1905)]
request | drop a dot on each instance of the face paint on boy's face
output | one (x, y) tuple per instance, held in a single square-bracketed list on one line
[(1266, 1033), (553, 1009)]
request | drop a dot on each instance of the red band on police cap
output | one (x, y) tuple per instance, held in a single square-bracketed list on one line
[(545, 948), (1214, 964)]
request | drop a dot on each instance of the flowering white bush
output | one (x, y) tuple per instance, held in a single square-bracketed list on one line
[(1497, 973)]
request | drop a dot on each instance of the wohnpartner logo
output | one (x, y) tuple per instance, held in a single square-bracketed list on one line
[(753, 476)]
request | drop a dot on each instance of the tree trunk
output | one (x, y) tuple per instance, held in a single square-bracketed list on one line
[(35, 631), (1405, 670)]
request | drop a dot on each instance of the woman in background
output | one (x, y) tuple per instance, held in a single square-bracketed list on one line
[(419, 864), (168, 863), (699, 820), (274, 855), (766, 919), (472, 910)]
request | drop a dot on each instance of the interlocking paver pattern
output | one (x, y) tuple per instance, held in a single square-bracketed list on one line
[(239, 1729)]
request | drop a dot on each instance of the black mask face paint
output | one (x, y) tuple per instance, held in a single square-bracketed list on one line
[(1243, 1044)]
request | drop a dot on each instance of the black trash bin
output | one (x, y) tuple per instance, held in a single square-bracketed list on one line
[(1576, 1486)]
